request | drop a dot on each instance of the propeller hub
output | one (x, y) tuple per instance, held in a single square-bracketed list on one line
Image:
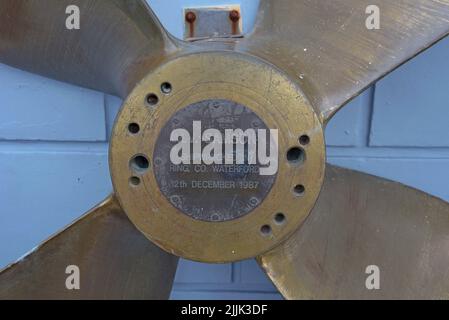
[(217, 156)]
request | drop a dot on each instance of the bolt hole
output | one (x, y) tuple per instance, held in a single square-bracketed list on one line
[(134, 181), (133, 128), (265, 230), (299, 190), (279, 218), (295, 155), (166, 87), (304, 140), (152, 99), (139, 164)]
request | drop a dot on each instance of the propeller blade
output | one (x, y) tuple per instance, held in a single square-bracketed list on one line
[(361, 223), (116, 43), (114, 259), (328, 48)]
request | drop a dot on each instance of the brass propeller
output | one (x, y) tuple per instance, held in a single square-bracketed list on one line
[(119, 41), (326, 48), (116, 262), (359, 221)]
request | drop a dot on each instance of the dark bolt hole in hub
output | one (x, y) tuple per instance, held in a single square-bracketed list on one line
[(265, 230), (152, 99), (166, 87), (295, 155), (279, 218), (299, 189), (140, 164), (133, 128), (304, 140)]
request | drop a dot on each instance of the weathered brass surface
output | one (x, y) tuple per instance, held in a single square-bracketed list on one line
[(247, 81), (362, 220), (117, 42), (115, 260), (327, 48)]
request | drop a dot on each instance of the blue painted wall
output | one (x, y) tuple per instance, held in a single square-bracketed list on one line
[(53, 151)]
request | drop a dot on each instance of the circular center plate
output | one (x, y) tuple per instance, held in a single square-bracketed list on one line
[(200, 209), (212, 177)]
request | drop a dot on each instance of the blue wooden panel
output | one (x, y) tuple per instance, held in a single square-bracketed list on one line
[(200, 273), (41, 192), (37, 108), (428, 175), (411, 105), (346, 128), (251, 273), (214, 295), (112, 107)]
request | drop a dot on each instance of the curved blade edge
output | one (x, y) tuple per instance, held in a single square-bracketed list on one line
[(104, 251), (330, 48), (364, 227), (116, 43)]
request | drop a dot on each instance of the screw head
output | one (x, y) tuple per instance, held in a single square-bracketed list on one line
[(234, 15), (190, 17)]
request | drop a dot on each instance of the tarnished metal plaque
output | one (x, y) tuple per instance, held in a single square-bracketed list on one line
[(219, 190)]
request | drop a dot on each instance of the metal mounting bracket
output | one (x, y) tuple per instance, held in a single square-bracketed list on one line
[(212, 22)]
